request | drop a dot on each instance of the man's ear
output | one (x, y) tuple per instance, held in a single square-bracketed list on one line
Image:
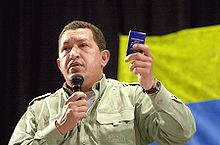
[(105, 56), (58, 63)]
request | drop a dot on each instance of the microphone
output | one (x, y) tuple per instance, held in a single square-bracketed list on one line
[(77, 81)]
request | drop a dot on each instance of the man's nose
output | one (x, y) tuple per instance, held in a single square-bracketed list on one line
[(74, 53)]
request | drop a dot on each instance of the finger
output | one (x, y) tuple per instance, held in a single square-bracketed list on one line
[(82, 115), (82, 109), (81, 102), (132, 56), (77, 109), (142, 71), (74, 114), (76, 96), (140, 64), (135, 56), (144, 48), (74, 111), (138, 56), (75, 104)]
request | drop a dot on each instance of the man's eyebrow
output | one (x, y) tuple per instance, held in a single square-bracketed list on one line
[(66, 42), (82, 39)]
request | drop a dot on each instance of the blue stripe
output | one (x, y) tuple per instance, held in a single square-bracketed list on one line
[(207, 116)]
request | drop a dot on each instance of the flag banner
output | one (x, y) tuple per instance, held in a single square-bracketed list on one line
[(187, 62)]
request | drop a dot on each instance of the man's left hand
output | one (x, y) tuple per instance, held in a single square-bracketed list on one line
[(142, 65)]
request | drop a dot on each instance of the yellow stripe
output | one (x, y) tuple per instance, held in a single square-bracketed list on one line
[(187, 62)]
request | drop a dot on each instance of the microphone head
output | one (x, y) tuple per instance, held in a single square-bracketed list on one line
[(77, 81)]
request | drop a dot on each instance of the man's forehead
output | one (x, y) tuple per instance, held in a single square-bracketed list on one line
[(77, 34)]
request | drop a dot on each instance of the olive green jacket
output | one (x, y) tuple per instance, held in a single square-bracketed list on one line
[(121, 115)]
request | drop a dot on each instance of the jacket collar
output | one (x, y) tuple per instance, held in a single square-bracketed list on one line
[(98, 86)]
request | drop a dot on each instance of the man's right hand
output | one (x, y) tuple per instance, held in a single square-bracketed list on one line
[(73, 111)]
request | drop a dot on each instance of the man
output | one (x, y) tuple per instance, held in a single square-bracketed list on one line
[(105, 111)]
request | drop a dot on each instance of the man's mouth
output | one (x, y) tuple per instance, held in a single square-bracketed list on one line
[(75, 66)]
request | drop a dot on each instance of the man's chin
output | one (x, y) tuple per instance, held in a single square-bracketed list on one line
[(76, 72)]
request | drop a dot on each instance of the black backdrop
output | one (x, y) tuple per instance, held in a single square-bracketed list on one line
[(29, 31)]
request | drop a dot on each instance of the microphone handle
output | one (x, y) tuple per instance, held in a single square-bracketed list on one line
[(77, 88)]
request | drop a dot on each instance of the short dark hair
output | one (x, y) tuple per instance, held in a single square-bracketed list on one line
[(97, 33)]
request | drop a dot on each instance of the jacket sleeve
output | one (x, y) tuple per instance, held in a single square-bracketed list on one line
[(167, 120), (26, 132)]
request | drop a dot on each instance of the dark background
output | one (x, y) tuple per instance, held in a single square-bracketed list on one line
[(29, 31)]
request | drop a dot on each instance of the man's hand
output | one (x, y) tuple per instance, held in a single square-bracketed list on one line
[(142, 65), (74, 110)]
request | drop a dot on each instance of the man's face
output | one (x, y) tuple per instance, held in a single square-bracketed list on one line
[(79, 54)]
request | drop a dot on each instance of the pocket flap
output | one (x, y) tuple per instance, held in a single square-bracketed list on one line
[(114, 117)]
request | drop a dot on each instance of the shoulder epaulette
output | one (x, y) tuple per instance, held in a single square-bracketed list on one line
[(131, 84), (134, 84), (39, 98)]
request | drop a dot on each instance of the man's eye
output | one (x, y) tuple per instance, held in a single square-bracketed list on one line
[(83, 45), (66, 48)]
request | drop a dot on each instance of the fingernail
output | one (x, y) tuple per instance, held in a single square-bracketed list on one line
[(135, 45)]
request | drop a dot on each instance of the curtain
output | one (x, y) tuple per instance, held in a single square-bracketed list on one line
[(29, 32)]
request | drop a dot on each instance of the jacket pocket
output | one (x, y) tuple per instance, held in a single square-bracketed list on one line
[(116, 127)]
